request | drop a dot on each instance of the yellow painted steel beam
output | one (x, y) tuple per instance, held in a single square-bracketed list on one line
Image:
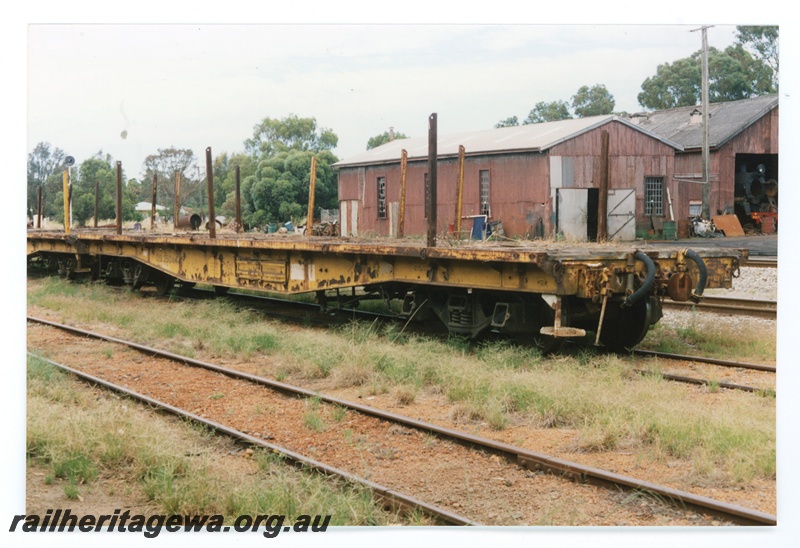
[(298, 266)]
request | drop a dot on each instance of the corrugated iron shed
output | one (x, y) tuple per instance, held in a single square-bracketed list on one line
[(526, 138), (726, 120)]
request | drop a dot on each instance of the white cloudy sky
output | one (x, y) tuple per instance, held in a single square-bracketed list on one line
[(194, 86)]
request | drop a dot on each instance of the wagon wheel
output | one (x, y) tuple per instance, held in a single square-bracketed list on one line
[(327, 230), (164, 284)]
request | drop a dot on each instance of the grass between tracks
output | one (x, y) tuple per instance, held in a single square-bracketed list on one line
[(728, 437), (81, 435)]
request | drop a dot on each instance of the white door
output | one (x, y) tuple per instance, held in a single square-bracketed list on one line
[(348, 218), (621, 214), (572, 212)]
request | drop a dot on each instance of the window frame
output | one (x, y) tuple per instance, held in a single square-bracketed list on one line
[(654, 197), (488, 182), (382, 210)]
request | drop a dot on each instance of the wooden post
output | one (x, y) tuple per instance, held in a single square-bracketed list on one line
[(239, 225), (401, 215), (153, 205), (311, 188), (177, 200), (432, 155), (212, 218), (39, 209), (65, 179), (602, 200), (119, 197), (96, 201), (460, 190)]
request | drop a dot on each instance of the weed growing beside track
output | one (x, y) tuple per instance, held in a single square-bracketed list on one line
[(81, 435), (498, 383)]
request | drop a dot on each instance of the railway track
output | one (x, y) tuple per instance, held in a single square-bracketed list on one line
[(762, 262), (388, 496), (292, 310), (512, 454), (726, 305)]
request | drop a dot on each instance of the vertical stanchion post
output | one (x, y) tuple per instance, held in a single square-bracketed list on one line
[(96, 201), (119, 197), (65, 179), (602, 200), (153, 204), (432, 206), (401, 217), (311, 188), (239, 225), (39, 209), (177, 200), (212, 218), (460, 192)]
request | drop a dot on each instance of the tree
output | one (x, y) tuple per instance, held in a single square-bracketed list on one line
[(43, 163), (272, 136), (101, 169), (594, 101), (548, 112), (508, 122), (733, 75), (226, 189), (383, 138), (763, 41), (165, 165), (275, 188)]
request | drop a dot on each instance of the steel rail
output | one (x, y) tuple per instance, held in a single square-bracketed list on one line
[(383, 493), (703, 359), (529, 459), (725, 305), (703, 382), (761, 262)]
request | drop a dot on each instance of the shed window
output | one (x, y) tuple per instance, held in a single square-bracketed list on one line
[(381, 197), (653, 195), (484, 191)]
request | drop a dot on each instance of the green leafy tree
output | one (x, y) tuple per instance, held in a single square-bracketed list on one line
[(84, 179), (548, 112), (508, 122), (275, 187), (272, 136), (44, 162), (733, 75), (592, 101), (763, 42), (383, 138), (226, 190), (165, 165)]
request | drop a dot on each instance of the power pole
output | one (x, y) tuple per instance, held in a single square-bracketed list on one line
[(704, 99)]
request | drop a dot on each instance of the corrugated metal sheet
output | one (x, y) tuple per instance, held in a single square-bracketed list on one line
[(533, 138), (726, 121)]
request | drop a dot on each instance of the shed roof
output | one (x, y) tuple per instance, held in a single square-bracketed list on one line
[(726, 120), (527, 138)]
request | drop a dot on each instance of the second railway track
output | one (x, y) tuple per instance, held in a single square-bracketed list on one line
[(479, 456)]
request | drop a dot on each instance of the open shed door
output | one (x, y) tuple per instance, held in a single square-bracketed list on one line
[(621, 224), (576, 213)]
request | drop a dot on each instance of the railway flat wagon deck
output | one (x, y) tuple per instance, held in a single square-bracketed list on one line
[(540, 291)]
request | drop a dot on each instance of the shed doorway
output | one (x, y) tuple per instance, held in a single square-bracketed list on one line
[(576, 213)]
